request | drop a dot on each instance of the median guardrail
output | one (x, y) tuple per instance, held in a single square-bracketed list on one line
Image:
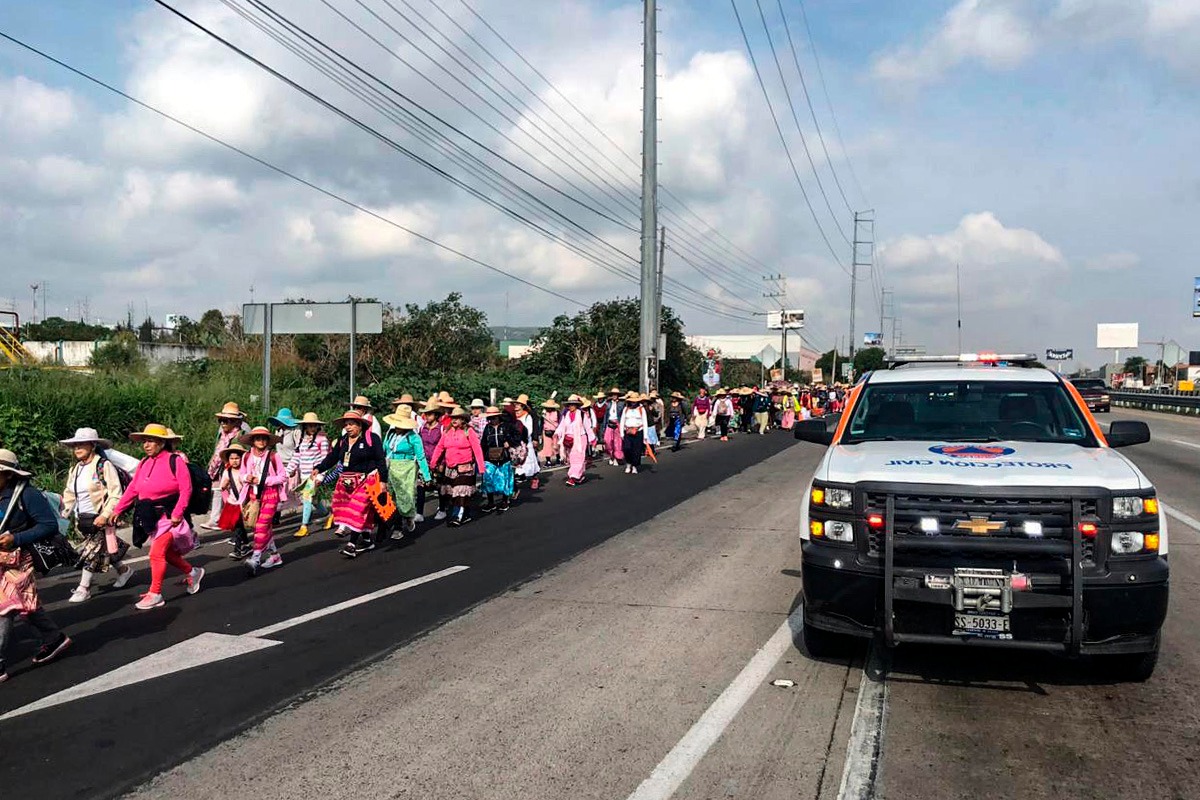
[(1165, 402)]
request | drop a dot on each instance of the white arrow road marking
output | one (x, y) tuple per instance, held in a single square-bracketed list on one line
[(199, 650), (208, 648)]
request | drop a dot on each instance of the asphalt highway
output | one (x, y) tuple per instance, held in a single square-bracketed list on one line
[(108, 743), (635, 638)]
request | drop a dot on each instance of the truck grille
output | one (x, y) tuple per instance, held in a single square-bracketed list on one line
[(953, 510)]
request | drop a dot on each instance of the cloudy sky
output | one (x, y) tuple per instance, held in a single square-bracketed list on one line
[(1049, 146)]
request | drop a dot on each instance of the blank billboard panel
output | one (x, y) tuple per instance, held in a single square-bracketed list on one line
[(294, 318), (1116, 335)]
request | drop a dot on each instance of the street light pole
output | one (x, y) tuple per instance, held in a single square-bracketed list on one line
[(648, 344)]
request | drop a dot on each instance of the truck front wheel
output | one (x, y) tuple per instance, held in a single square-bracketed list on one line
[(1131, 668)]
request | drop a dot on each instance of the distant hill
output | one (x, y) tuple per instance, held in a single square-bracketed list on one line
[(505, 333)]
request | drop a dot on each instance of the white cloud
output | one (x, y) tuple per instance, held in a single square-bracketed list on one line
[(993, 33), (29, 109)]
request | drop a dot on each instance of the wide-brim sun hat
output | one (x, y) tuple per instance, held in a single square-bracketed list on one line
[(362, 402), (155, 431), (677, 396), (234, 447), (10, 463), (284, 418), (352, 416), (633, 397), (551, 404), (404, 422), (405, 399), (447, 402), (574, 400), (460, 412), (230, 411), (477, 403), (311, 418), (87, 436), (257, 431), (492, 411)]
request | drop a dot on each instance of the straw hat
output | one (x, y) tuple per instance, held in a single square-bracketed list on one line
[(352, 416), (405, 399), (677, 396), (587, 402), (653, 394), (156, 431), (574, 400), (311, 418), (614, 391), (362, 402), (230, 411), (633, 397), (508, 401), (599, 396), (551, 404), (721, 392), (9, 463), (461, 412), (404, 422), (523, 400), (87, 436), (492, 411), (234, 447), (257, 431), (477, 403), (446, 400)]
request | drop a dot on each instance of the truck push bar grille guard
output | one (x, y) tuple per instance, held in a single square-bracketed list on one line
[(1067, 549)]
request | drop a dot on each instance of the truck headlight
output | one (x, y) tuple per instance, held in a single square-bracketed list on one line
[(1131, 507), (838, 531), (839, 498), (1128, 543)]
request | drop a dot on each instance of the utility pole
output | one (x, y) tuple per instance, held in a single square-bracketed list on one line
[(863, 255), (658, 287), (34, 287), (780, 294), (647, 361), (884, 307)]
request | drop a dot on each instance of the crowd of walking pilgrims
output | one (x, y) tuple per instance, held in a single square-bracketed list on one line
[(371, 479)]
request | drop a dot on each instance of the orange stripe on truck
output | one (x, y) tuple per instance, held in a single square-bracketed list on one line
[(1081, 404), (851, 401)]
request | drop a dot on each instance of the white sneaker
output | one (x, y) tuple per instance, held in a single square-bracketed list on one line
[(149, 600), (123, 577), (635, 470), (628, 469), (193, 581), (80, 594), (271, 561), (440, 515), (418, 518)]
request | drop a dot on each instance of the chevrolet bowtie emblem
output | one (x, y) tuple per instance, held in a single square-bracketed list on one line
[(978, 526)]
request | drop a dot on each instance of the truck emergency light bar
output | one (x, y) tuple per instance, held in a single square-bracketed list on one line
[(989, 359)]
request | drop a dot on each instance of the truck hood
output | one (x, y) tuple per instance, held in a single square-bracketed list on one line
[(992, 464)]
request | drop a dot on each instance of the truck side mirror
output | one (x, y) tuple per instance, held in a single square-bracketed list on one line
[(1127, 432), (817, 431)]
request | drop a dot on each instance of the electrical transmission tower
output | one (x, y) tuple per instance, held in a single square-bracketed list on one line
[(862, 255)]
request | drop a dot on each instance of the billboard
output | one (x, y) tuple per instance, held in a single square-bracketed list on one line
[(293, 318), (873, 339), (788, 318), (817, 375), (1116, 335), (1062, 354)]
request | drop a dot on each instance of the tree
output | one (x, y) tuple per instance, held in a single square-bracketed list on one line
[(599, 347), (1135, 365), (57, 329), (825, 364), (122, 353), (211, 328), (869, 359), (146, 330)]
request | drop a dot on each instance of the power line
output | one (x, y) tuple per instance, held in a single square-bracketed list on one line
[(812, 112), (829, 102), (787, 93), (783, 139), (281, 171)]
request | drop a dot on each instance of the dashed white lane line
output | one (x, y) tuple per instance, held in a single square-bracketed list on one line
[(678, 764), (1186, 519), (861, 771)]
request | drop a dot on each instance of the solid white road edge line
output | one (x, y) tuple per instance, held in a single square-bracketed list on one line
[(1175, 513), (207, 648), (865, 749), (678, 764), (1185, 444), (355, 601)]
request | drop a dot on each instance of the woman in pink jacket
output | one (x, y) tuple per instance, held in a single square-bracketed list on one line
[(264, 481), (459, 448), (574, 436), (160, 489)]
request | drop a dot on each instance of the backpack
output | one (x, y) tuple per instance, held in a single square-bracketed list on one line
[(122, 476), (202, 488)]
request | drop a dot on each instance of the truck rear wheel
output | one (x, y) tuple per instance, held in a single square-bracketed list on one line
[(1131, 668)]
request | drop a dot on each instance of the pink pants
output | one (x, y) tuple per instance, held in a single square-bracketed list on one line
[(163, 552), (612, 442)]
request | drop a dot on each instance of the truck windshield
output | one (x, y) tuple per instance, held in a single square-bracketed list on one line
[(968, 411)]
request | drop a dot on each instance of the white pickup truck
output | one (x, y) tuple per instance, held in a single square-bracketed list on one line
[(966, 502)]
